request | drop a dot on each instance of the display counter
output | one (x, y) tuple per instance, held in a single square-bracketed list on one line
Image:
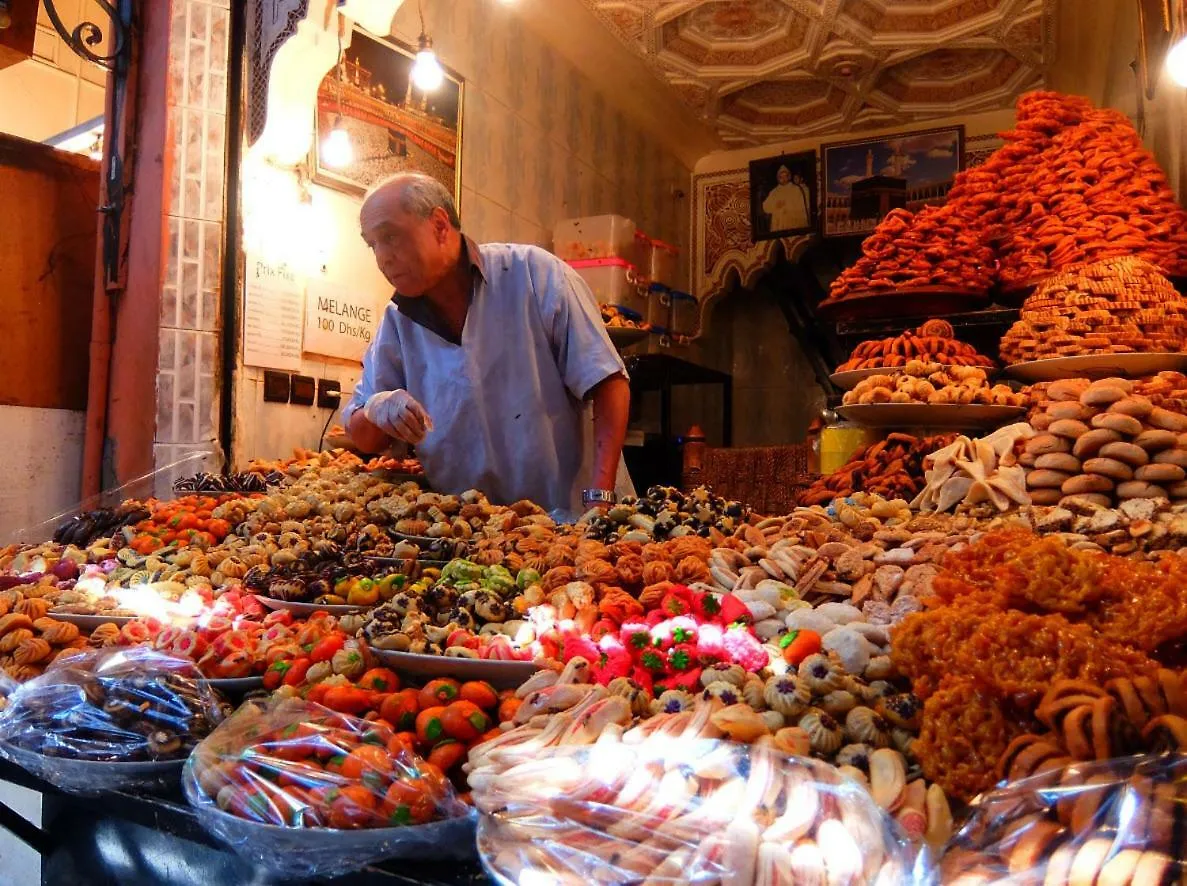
[(134, 839)]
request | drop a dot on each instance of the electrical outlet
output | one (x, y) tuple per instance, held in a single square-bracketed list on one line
[(277, 386), (303, 390), (329, 394)]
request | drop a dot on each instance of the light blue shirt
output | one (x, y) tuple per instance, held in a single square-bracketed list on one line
[(506, 403)]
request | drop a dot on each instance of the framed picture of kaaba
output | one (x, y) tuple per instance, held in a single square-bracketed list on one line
[(865, 179), (393, 126), (783, 196)]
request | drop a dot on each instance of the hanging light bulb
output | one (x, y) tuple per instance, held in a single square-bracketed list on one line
[(337, 151), (427, 74), (1176, 62)]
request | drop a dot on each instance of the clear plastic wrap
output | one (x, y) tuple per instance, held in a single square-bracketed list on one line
[(307, 792), (1108, 823), (666, 810), (109, 719)]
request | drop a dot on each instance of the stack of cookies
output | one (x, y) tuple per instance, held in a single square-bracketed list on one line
[(1115, 306), (1102, 442)]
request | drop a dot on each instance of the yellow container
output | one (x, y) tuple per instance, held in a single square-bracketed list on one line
[(839, 442)]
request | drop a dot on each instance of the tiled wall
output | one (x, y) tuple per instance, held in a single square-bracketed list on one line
[(190, 353)]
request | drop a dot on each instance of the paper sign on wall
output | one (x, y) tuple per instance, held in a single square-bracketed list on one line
[(272, 309), (339, 321)]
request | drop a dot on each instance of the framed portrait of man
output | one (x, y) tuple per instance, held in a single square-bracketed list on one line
[(783, 196)]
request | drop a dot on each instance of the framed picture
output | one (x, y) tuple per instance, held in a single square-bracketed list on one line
[(782, 196), (393, 126), (865, 179)]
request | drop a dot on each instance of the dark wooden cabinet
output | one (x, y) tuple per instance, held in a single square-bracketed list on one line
[(48, 229), (16, 41)]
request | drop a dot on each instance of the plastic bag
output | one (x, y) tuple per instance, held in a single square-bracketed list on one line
[(687, 811), (109, 719), (1104, 822), (307, 792)]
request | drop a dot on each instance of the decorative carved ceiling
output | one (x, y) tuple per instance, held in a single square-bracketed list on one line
[(761, 71)]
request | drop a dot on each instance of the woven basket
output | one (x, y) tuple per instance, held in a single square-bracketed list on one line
[(767, 478)]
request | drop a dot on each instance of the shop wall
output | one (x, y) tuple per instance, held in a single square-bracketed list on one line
[(1093, 57), (745, 333), (540, 143), (54, 90)]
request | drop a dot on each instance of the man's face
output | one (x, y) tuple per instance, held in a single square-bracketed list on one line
[(410, 251), (783, 176)]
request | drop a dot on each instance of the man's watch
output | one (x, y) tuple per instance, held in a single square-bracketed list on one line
[(598, 497)]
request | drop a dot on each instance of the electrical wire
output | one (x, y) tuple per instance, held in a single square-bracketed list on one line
[(321, 443)]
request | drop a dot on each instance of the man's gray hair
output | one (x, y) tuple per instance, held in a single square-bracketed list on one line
[(420, 194)]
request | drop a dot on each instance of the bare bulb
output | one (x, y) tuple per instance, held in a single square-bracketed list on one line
[(426, 71), (337, 151), (1176, 62)]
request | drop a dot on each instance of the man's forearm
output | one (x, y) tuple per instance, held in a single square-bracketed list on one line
[(611, 409), (365, 435)]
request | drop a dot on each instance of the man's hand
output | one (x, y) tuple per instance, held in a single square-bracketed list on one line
[(398, 415)]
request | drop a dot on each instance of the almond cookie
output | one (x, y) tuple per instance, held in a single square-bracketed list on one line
[(1155, 440), (1068, 427), (1046, 496), (1109, 468), (1126, 452), (1102, 395), (1087, 484), (1044, 479), (1067, 389), (1157, 473), (1088, 445), (1174, 456), (1041, 444), (1028, 459), (1164, 418), (1069, 409), (1058, 461), (1179, 490), (1122, 424), (1137, 406), (1140, 489), (1041, 421)]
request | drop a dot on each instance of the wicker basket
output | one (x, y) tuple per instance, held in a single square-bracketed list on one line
[(767, 478)]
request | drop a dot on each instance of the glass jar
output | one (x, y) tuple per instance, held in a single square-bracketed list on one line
[(839, 439)]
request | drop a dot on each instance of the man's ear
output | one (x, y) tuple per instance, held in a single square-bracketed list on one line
[(441, 224)]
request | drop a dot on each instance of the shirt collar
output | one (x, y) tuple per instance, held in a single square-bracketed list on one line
[(419, 311)]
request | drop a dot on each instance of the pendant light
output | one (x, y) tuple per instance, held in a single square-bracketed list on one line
[(427, 74), (337, 150)]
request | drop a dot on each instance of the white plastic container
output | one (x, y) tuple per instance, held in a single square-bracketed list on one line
[(614, 281), (686, 314), (594, 236), (659, 306), (663, 262)]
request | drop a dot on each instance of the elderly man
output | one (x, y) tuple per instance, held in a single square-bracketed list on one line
[(485, 359)]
